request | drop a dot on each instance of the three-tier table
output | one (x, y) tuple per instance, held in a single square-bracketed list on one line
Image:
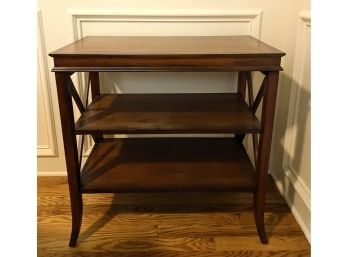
[(167, 164)]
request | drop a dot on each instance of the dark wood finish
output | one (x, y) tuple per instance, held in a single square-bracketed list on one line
[(268, 110), (167, 113), (165, 225), (75, 96), (176, 164), (251, 103), (71, 154), (167, 54), (165, 63), (250, 89), (182, 45), (255, 103), (259, 95), (95, 90), (241, 88), (138, 67), (95, 84), (189, 163)]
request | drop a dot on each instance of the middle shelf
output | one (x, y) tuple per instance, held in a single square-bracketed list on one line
[(167, 113)]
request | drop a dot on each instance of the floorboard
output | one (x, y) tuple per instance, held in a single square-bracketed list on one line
[(170, 224)]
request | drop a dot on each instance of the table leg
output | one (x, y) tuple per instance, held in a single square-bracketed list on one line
[(242, 79), (241, 89), (95, 89), (71, 153), (268, 109)]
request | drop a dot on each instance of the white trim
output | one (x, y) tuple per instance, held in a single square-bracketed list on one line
[(290, 137), (79, 16), (51, 173), (49, 150), (300, 187), (291, 177), (292, 207), (305, 17), (165, 13), (297, 78)]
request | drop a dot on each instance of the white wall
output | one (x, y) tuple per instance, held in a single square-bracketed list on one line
[(282, 24), (290, 160)]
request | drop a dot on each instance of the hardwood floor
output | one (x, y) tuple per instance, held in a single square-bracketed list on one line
[(171, 224)]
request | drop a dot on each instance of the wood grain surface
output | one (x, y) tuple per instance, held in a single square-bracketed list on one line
[(167, 113), (183, 45), (166, 54), (168, 164), (170, 224)]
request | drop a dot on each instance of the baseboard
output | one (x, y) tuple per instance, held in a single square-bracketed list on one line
[(51, 173), (301, 195)]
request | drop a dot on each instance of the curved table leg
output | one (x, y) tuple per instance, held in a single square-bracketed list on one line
[(268, 109), (71, 153), (76, 210), (259, 213)]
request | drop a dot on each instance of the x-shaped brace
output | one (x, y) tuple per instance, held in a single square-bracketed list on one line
[(254, 104)]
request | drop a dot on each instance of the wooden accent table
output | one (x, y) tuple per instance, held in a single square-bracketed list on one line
[(167, 164)]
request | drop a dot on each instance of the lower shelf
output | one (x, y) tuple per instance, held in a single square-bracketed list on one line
[(170, 164)]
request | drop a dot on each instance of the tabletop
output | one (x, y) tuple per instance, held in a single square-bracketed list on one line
[(179, 45), (179, 53)]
